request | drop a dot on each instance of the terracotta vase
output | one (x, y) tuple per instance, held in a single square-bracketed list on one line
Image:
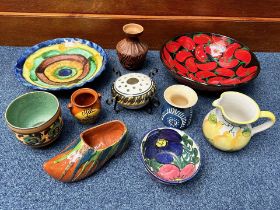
[(85, 105), (89, 152), (131, 51)]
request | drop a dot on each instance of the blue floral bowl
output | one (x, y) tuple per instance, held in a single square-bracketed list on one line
[(60, 64), (170, 155)]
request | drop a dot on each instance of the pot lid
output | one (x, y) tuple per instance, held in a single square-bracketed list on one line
[(133, 84)]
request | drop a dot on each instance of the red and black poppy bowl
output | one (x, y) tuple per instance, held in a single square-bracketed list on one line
[(209, 62)]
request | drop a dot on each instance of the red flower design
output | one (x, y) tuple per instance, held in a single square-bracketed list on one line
[(171, 172), (194, 56)]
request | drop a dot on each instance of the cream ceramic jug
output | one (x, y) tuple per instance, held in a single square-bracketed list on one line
[(228, 126)]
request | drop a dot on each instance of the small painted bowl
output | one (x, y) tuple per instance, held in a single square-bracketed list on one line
[(170, 155), (35, 118), (209, 62)]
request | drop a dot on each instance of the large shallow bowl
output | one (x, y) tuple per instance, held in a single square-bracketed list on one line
[(60, 64), (209, 62), (35, 118), (170, 155)]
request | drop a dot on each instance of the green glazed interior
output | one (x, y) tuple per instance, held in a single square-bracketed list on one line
[(31, 110)]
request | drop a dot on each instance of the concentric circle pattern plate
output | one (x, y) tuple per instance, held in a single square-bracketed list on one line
[(60, 64)]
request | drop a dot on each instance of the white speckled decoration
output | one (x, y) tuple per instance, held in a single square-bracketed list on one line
[(133, 84)]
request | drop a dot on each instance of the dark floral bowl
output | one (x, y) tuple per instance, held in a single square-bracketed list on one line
[(209, 62), (170, 155)]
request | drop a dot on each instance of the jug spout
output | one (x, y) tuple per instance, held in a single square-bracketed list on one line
[(216, 103)]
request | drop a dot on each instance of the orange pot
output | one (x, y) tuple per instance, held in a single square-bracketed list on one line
[(85, 105)]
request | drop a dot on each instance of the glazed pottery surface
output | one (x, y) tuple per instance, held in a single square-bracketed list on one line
[(88, 153), (60, 64), (209, 62), (170, 155), (131, 51), (35, 118), (228, 126), (177, 109), (133, 90), (85, 105)]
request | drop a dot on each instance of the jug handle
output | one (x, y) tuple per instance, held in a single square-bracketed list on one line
[(69, 106), (266, 125)]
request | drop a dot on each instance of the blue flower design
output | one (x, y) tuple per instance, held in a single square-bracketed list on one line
[(163, 145)]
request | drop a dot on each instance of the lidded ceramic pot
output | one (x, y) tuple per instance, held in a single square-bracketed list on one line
[(133, 90), (131, 51), (85, 105)]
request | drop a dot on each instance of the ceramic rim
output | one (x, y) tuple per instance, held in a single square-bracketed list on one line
[(112, 121), (190, 90), (18, 129), (234, 121), (81, 91)]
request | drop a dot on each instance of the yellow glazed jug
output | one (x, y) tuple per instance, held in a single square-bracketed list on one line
[(228, 126)]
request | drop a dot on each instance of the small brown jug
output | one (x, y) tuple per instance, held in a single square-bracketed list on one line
[(85, 105), (131, 51)]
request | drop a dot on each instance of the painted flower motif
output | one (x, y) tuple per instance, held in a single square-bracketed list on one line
[(32, 140), (217, 49), (171, 172), (163, 145), (55, 129)]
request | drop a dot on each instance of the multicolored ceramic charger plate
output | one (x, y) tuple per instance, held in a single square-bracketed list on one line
[(60, 64), (170, 155), (209, 62)]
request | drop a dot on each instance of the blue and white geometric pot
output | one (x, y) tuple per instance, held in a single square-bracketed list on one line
[(177, 109)]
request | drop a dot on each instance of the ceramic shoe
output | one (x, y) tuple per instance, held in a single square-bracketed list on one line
[(88, 153)]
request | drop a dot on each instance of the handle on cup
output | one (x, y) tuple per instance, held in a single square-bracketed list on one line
[(69, 106), (266, 125)]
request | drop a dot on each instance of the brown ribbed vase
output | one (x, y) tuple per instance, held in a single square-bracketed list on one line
[(131, 51)]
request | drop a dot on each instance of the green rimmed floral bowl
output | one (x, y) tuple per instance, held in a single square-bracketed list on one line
[(35, 118)]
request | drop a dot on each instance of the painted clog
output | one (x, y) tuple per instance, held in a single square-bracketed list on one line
[(85, 105), (88, 153)]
